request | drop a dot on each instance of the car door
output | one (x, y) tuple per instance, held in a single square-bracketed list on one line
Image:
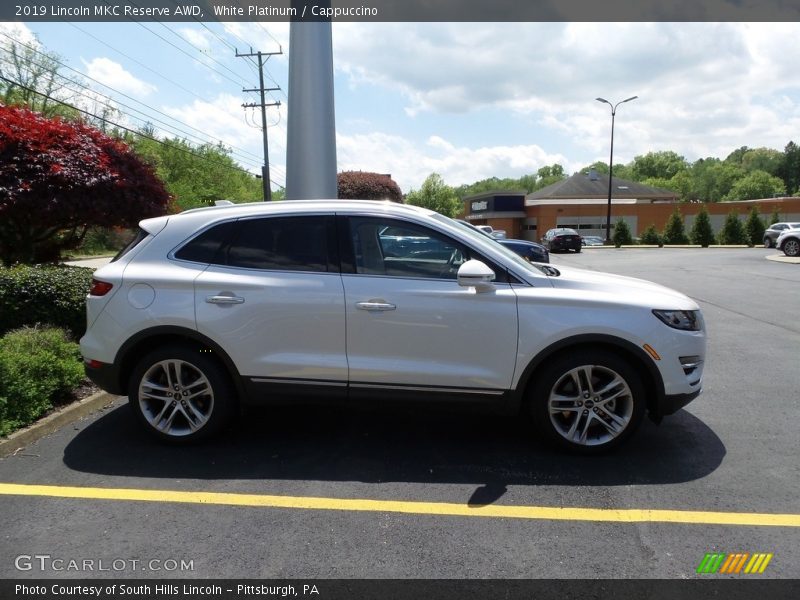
[(409, 323), (273, 299)]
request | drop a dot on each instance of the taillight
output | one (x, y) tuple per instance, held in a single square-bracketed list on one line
[(100, 288)]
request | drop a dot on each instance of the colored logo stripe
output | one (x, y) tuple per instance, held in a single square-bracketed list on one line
[(732, 564)]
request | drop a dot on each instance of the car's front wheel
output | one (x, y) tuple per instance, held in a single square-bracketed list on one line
[(181, 394), (768, 243), (791, 247), (588, 401)]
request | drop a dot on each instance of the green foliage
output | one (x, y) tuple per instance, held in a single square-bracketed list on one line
[(663, 165), (54, 295), (436, 195), (673, 231), (775, 217), (360, 185), (104, 241), (197, 175), (789, 169), (732, 231), (38, 367), (651, 237), (701, 232), (754, 227), (758, 184), (622, 234)]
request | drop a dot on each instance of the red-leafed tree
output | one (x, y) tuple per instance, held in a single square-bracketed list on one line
[(359, 185), (57, 178)]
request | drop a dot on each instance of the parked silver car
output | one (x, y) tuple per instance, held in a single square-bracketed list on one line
[(773, 231)]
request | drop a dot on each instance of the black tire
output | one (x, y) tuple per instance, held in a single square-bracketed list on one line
[(607, 423), (198, 397), (577, 250), (791, 247), (768, 243)]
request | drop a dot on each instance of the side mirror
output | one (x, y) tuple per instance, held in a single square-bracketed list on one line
[(474, 273)]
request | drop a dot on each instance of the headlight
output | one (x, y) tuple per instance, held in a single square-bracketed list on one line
[(687, 320)]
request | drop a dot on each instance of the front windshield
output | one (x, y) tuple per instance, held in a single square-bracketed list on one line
[(483, 240)]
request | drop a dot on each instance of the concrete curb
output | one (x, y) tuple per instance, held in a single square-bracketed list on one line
[(794, 260), (54, 422)]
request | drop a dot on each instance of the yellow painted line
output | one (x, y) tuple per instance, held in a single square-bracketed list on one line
[(416, 508)]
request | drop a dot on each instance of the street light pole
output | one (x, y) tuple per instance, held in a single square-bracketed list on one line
[(611, 160)]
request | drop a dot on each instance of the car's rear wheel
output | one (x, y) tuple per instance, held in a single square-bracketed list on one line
[(768, 243), (181, 394), (588, 402), (791, 247)]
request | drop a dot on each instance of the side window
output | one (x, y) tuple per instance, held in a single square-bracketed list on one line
[(399, 249), (205, 248), (281, 243)]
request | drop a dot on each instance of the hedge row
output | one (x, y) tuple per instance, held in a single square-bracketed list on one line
[(38, 368), (47, 295)]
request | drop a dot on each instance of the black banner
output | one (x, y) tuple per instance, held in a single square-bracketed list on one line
[(401, 10), (393, 589)]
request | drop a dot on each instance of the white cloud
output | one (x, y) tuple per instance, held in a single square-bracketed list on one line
[(704, 88), (113, 74), (19, 32), (409, 163)]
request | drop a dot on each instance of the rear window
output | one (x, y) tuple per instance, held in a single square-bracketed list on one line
[(138, 238), (205, 247)]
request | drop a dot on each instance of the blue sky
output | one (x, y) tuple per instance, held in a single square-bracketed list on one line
[(468, 101)]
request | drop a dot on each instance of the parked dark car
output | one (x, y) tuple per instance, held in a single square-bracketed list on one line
[(562, 238), (593, 240), (528, 250)]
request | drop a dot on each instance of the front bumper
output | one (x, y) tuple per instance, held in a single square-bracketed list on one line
[(672, 403)]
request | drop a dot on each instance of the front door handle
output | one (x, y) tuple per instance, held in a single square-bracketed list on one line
[(224, 299), (375, 306)]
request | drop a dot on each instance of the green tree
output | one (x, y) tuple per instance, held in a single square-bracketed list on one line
[(622, 234), (754, 227), (664, 165), (762, 159), (713, 179), (775, 217), (651, 237), (673, 230), (197, 175), (436, 195), (549, 175), (758, 184), (701, 232), (789, 169), (732, 231)]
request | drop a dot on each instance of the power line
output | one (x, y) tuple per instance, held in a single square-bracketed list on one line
[(128, 129), (263, 104), (240, 151)]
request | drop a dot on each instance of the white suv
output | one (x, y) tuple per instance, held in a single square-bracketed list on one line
[(364, 300)]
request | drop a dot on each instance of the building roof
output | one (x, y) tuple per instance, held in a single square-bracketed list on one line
[(582, 186)]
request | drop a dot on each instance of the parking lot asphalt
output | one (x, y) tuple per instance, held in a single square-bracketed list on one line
[(364, 494)]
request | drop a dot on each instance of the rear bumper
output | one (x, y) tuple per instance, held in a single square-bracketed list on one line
[(106, 377)]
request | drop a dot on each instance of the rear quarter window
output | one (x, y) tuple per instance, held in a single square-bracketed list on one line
[(140, 236)]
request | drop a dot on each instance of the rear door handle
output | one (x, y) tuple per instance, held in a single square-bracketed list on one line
[(375, 306), (224, 299)]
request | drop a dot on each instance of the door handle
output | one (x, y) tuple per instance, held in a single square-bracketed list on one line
[(224, 299), (375, 306)]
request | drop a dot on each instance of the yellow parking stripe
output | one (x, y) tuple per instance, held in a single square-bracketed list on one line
[(416, 508)]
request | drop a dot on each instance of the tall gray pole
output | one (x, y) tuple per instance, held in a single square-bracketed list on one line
[(311, 128)]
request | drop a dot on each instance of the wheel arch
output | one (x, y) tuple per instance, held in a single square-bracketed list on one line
[(638, 358), (135, 347)]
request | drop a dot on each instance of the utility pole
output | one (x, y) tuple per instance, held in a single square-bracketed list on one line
[(262, 59)]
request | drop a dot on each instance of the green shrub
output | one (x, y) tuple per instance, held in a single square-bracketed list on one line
[(673, 230), (47, 295), (702, 232), (622, 234), (104, 240), (732, 231), (38, 367), (754, 228), (650, 237)]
